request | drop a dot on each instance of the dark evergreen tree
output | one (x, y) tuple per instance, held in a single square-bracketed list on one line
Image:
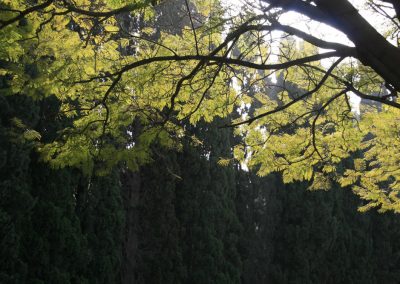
[(258, 210), (57, 226), (102, 218), (206, 208), (159, 247), (16, 201), (293, 235), (40, 237)]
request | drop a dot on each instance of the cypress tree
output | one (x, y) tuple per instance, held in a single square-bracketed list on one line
[(102, 217), (40, 236), (206, 209), (159, 247)]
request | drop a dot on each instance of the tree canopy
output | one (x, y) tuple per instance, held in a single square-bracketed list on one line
[(118, 63)]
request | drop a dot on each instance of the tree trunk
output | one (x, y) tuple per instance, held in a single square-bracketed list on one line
[(131, 197), (372, 48)]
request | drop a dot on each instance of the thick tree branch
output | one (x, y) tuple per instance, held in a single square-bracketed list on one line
[(217, 60), (127, 8), (373, 49), (24, 13)]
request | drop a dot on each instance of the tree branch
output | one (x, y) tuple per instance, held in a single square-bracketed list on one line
[(313, 126), (127, 8), (22, 14), (299, 98)]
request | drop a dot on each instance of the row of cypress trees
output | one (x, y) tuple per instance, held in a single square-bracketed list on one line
[(181, 219)]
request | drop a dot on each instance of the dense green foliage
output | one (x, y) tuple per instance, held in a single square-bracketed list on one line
[(112, 62)]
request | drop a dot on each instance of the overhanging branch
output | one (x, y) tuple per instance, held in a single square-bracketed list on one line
[(299, 98)]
